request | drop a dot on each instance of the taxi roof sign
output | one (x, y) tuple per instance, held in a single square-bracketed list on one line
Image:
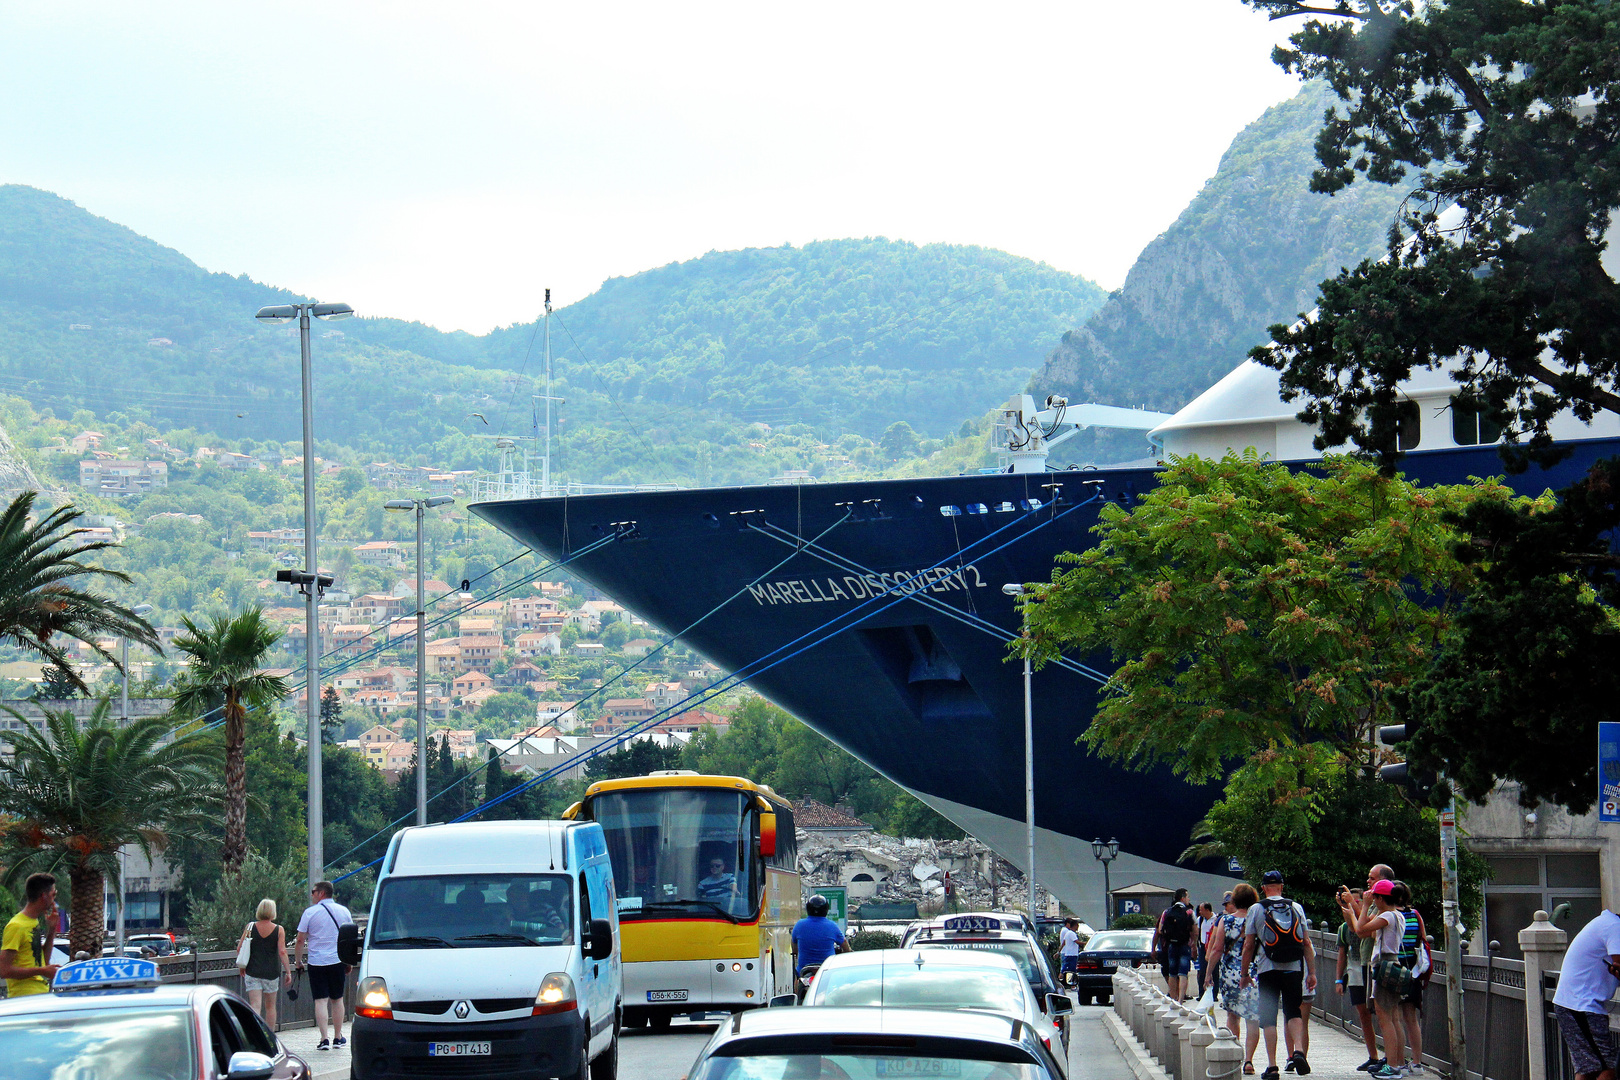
[(973, 922), (105, 973)]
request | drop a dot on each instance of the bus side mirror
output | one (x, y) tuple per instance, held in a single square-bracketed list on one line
[(767, 835), (599, 946), (348, 943)]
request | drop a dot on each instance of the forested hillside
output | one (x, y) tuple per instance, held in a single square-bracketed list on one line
[(1248, 251)]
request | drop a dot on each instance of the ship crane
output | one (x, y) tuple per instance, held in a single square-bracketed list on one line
[(1027, 435)]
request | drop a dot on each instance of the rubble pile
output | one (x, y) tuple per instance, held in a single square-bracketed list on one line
[(904, 870)]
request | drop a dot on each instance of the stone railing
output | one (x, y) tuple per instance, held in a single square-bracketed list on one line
[(1163, 1039)]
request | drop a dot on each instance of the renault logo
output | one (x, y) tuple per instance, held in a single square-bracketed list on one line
[(462, 1008)]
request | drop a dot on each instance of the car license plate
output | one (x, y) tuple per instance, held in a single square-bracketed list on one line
[(919, 1067), (666, 995), (1110, 963), (458, 1049)]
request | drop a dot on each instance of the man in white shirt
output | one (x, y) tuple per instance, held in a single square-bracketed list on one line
[(1589, 977), (318, 934), (1068, 951)]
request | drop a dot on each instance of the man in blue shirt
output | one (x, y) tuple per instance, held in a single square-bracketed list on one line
[(816, 937)]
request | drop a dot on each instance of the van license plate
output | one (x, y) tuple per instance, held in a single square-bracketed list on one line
[(458, 1049), (666, 995)]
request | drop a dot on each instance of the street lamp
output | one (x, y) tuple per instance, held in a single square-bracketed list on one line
[(1029, 759), (123, 717), (420, 506), (275, 315), (1105, 854)]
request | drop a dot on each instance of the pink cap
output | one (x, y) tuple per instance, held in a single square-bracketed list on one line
[(1382, 888)]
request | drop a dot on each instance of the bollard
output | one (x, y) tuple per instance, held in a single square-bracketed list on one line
[(1198, 1067), (1185, 1026), (1543, 945), (1133, 1009), (1168, 1049), (1224, 1057)]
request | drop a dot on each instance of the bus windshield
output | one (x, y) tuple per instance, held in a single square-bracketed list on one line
[(680, 852)]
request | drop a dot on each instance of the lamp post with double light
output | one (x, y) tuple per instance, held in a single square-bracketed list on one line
[(311, 580), (1105, 854), (421, 507), (1029, 760)]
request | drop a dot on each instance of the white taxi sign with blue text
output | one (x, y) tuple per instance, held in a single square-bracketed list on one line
[(106, 973)]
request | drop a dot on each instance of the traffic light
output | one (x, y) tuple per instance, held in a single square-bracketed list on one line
[(1418, 782)]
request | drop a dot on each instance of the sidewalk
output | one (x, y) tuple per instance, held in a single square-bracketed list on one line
[(323, 1064)]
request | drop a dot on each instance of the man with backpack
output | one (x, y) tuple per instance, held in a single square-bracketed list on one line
[(1172, 942), (1277, 930)]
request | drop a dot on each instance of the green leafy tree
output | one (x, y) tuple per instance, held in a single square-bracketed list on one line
[(898, 441), (76, 793), (1497, 119), (748, 748), (331, 714), (1253, 608), (56, 684), (216, 919), (497, 782), (637, 759), (809, 764), (506, 711), (45, 588), (224, 671)]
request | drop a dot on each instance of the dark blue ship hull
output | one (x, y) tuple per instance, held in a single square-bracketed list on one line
[(926, 699)]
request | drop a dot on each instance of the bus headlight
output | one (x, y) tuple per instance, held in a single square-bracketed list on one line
[(556, 995), (374, 1000)]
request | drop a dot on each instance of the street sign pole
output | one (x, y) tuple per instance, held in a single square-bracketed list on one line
[(1452, 914)]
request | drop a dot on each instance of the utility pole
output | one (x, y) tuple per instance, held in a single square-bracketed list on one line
[(1451, 913)]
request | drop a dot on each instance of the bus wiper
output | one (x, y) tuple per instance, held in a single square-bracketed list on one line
[(414, 939), (498, 937)]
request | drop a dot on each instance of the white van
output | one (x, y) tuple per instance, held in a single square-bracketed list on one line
[(492, 949)]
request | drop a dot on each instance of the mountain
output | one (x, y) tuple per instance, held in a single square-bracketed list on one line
[(840, 335), (1249, 251)]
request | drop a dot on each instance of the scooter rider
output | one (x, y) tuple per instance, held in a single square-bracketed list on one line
[(815, 938)]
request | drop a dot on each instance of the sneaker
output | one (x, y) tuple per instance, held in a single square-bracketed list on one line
[(1270, 1073), (324, 1044), (1387, 1072), (339, 1041), (1298, 1064), (1370, 1065), (1289, 1067)]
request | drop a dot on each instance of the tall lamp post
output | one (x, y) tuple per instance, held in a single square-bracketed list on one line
[(1029, 761), (1105, 854), (420, 506), (310, 579), (123, 718)]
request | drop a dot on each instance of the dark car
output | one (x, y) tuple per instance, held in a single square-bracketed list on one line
[(120, 1024), (874, 1044), (1106, 952)]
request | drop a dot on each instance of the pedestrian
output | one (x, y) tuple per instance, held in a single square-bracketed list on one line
[(317, 940), (1172, 942), (1353, 976), (1069, 952), (1415, 956), (1225, 954), (1385, 926), (1588, 978), (25, 950), (267, 969), (1276, 936), (1206, 920)]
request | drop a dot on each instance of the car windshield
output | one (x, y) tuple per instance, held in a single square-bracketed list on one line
[(929, 986), (470, 911), (680, 851), (1016, 948), (111, 1044), (1120, 941), (862, 1067)]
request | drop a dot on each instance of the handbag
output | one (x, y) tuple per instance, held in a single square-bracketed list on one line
[(1394, 976), (244, 951)]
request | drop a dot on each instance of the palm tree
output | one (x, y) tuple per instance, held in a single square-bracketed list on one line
[(40, 594), (74, 794), (224, 670)]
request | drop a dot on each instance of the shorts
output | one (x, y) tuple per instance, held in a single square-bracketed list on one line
[(326, 980), (266, 986), (1175, 961), (1586, 1036), (1284, 987), (1414, 997), (1358, 995), (1069, 963)]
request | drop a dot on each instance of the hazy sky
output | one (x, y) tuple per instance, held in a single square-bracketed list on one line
[(445, 162)]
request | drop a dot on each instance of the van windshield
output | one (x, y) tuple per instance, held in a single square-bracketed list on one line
[(470, 911)]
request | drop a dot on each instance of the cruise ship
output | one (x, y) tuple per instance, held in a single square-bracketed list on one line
[(875, 611)]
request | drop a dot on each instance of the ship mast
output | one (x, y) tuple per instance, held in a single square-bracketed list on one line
[(545, 462)]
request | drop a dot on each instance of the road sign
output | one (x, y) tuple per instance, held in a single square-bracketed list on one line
[(1609, 771), (837, 904)]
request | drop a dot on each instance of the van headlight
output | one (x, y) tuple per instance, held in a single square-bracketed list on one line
[(556, 995), (374, 1000)]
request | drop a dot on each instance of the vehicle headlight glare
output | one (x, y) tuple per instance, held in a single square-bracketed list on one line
[(374, 993), (556, 993)]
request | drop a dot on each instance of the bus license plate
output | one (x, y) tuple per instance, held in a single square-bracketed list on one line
[(666, 995), (458, 1049)]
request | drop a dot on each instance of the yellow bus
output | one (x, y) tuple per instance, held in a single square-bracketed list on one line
[(706, 881)]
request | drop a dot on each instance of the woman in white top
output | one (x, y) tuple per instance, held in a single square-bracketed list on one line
[(1386, 926)]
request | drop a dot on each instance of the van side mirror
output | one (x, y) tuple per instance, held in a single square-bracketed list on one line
[(599, 946), (348, 943)]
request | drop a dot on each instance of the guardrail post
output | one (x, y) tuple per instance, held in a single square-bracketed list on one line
[(1224, 1056), (1168, 1047), (1185, 1026), (1199, 1043), (1543, 945)]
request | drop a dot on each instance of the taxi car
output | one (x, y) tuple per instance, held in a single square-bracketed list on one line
[(874, 1044), (938, 979), (1010, 934), (1104, 952), (109, 1019)]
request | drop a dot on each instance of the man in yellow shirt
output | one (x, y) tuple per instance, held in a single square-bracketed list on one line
[(28, 939)]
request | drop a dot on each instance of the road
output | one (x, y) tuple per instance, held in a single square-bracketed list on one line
[(644, 1055)]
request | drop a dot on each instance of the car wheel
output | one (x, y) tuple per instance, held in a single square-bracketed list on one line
[(1082, 999), (606, 1065), (1105, 999), (659, 1021), (584, 1072), (635, 1019)]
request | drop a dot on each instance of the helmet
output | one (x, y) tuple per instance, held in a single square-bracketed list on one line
[(817, 905)]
